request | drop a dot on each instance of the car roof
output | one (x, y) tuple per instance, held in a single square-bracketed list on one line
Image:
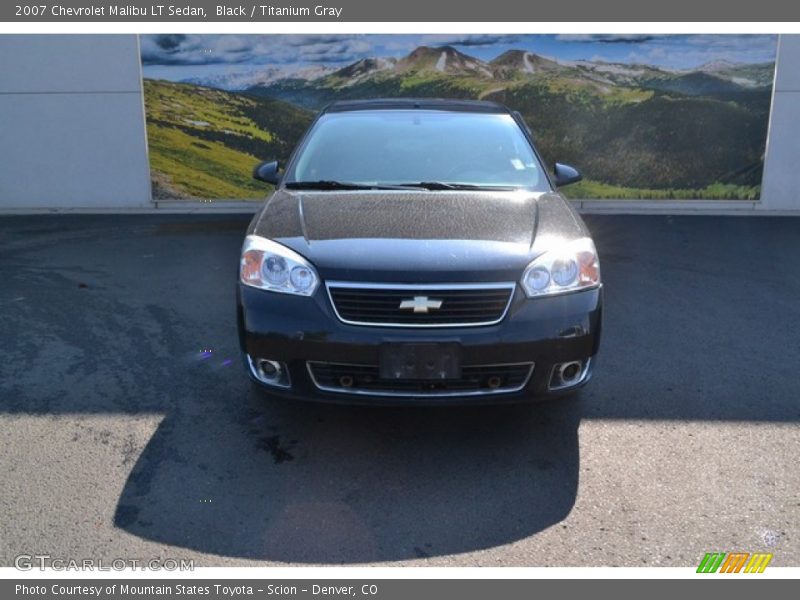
[(445, 104)]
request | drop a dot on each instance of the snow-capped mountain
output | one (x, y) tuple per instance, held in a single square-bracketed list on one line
[(521, 61), (512, 65), (245, 79), (445, 59)]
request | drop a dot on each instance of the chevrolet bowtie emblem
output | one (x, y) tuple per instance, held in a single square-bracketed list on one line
[(421, 304)]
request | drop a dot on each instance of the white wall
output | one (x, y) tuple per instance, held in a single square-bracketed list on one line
[(72, 131), (781, 184)]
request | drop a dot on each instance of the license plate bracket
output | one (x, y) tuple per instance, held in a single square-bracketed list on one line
[(420, 361)]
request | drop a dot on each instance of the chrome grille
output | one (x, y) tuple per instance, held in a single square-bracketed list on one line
[(365, 380), (449, 305)]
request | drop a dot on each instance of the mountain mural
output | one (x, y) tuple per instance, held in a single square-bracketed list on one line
[(636, 130)]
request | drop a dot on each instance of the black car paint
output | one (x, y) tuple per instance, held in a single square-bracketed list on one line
[(417, 237), (398, 236), (294, 329)]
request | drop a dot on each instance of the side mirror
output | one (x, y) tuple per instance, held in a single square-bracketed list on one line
[(267, 171), (564, 174)]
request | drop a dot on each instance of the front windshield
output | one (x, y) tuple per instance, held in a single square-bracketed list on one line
[(412, 146)]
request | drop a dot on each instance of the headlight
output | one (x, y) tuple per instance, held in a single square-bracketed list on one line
[(268, 265), (573, 266)]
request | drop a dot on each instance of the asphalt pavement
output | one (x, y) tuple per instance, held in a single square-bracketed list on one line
[(130, 430)]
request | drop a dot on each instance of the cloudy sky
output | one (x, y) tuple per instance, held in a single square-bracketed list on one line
[(182, 56)]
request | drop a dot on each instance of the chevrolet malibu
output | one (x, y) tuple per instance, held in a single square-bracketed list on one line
[(418, 252)]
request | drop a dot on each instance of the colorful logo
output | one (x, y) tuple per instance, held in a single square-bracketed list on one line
[(734, 562)]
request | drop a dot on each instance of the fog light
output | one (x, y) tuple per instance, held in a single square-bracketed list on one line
[(569, 374), (269, 372), (268, 368), (494, 382)]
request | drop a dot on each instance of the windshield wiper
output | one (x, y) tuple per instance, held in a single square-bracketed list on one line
[(326, 184), (441, 185)]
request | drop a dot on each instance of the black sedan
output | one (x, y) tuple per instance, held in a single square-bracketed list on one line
[(417, 251)]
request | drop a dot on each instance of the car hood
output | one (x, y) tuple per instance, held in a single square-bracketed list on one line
[(416, 237)]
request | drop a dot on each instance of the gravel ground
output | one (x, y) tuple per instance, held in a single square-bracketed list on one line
[(121, 440)]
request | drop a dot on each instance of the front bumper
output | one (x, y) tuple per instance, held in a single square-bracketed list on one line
[(297, 330)]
